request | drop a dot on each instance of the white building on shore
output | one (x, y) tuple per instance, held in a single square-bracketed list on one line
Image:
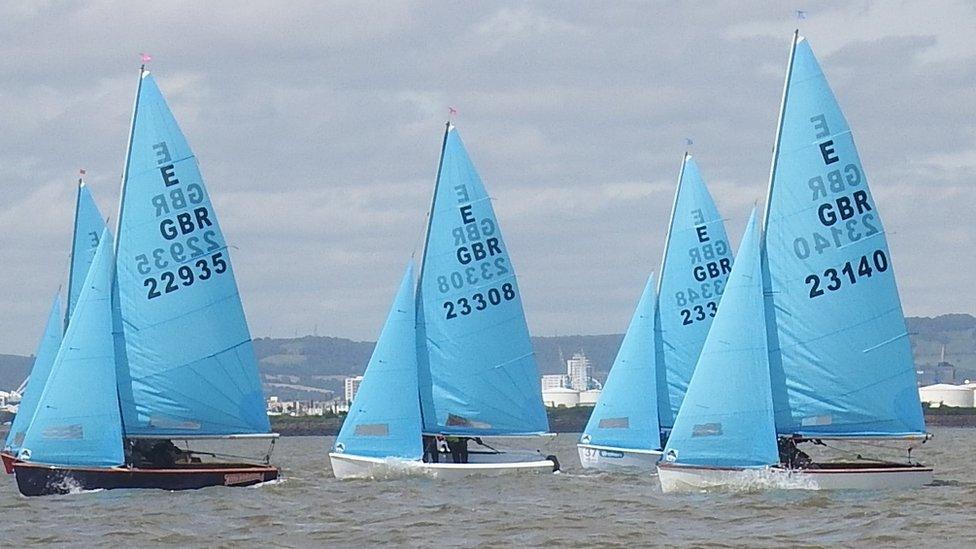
[(352, 386), (574, 388)]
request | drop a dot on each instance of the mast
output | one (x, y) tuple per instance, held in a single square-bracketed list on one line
[(128, 159), (433, 202), (423, 257), (779, 136), (674, 207), (71, 261), (116, 301)]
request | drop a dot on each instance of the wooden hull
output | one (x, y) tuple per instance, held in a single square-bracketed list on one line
[(348, 466), (8, 462), (38, 479), (842, 476), (605, 458)]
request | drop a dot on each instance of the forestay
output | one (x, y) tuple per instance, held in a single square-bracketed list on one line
[(47, 350), (840, 355), (77, 421), (187, 364), (384, 418), (727, 415), (626, 414), (477, 372), (697, 260), (89, 224)]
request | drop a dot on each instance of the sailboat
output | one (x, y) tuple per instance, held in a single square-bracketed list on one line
[(87, 231), (826, 357), (157, 348), (649, 377), (453, 363)]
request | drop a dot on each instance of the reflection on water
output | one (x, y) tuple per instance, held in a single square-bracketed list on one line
[(573, 507)]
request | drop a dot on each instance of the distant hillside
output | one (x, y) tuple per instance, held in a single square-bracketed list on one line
[(305, 367)]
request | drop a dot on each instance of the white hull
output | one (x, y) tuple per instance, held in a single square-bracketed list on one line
[(606, 458), (677, 478), (348, 466)]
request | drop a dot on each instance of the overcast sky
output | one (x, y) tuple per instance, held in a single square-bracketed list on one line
[(318, 125)]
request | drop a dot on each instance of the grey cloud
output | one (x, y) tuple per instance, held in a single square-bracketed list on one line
[(317, 126)]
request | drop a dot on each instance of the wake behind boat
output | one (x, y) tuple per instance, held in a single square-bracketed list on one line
[(453, 364), (649, 377), (157, 348), (810, 343)]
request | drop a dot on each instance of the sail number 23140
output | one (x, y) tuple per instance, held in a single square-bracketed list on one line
[(852, 271)]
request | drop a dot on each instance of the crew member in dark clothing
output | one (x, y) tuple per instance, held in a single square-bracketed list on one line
[(791, 456), (459, 449), (431, 455), (157, 454)]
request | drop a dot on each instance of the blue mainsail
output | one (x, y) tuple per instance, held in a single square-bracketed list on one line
[(840, 355), (89, 224), (187, 366), (696, 264), (626, 414), (47, 350), (77, 419), (727, 415), (478, 375), (384, 418)]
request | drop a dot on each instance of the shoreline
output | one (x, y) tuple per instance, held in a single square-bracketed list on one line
[(561, 421)]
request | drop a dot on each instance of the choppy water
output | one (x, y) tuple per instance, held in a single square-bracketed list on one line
[(310, 508)]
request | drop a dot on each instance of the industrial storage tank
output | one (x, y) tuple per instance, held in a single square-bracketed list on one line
[(943, 394)]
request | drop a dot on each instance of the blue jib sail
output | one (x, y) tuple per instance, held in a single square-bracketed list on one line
[(188, 366), (89, 224), (840, 355), (626, 414), (47, 350), (384, 418), (77, 417), (478, 375), (727, 416), (696, 264)]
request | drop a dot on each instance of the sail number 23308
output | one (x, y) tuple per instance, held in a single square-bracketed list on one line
[(478, 302)]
